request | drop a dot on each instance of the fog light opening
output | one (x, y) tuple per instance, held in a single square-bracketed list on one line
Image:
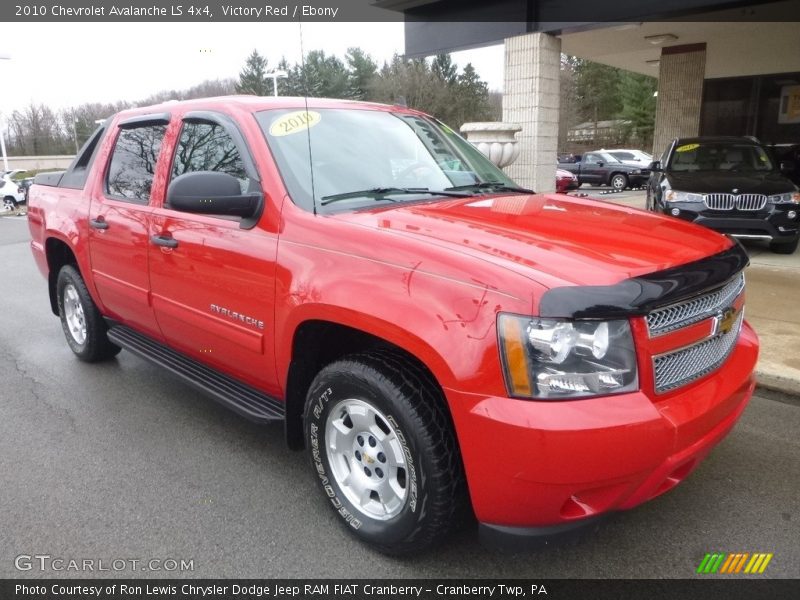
[(792, 214), (675, 212)]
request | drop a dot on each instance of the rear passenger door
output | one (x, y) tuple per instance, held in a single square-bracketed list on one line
[(213, 285), (119, 222)]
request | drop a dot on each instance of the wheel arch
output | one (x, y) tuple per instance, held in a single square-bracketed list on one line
[(58, 253), (319, 342)]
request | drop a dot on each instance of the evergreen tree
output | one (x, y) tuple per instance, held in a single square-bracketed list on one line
[(253, 79), (596, 88), (471, 97), (361, 71), (321, 76), (638, 106), (442, 67)]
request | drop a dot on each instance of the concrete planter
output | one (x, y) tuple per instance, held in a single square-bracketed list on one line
[(495, 140)]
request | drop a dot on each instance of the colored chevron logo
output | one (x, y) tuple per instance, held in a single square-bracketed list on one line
[(741, 562)]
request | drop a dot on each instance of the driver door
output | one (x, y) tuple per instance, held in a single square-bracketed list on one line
[(212, 277), (592, 168)]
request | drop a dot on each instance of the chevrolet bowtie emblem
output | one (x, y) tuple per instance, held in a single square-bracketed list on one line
[(724, 321)]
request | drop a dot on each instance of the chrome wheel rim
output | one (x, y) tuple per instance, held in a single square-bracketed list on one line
[(366, 458), (74, 315), (618, 183)]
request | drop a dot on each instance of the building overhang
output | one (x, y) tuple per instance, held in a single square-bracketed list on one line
[(742, 38)]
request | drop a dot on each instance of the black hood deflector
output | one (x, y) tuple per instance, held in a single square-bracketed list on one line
[(640, 295)]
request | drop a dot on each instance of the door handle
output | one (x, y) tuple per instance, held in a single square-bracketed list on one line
[(98, 223), (164, 241)]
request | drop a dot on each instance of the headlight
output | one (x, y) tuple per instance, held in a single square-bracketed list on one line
[(636, 172), (556, 359), (787, 198), (676, 196)]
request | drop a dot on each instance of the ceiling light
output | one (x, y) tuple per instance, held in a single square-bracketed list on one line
[(624, 26), (661, 38)]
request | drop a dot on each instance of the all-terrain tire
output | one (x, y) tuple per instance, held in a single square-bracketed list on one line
[(377, 408), (81, 321)]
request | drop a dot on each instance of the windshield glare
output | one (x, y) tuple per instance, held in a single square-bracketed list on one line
[(720, 157), (356, 149)]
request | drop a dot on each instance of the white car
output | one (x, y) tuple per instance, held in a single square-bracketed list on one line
[(10, 193), (634, 158)]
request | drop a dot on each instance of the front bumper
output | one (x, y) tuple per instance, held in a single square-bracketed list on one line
[(535, 464), (565, 185), (638, 180), (771, 223)]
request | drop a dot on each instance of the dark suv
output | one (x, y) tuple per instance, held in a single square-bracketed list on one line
[(730, 184)]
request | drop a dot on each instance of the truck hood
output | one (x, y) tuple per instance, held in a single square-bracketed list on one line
[(704, 182), (553, 239)]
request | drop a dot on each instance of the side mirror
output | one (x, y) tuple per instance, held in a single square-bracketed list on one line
[(601, 164), (655, 166), (788, 166), (211, 193)]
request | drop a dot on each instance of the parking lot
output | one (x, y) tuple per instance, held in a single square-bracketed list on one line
[(119, 461), (758, 250)]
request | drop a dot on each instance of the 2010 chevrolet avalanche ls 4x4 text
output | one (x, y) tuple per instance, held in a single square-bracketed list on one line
[(435, 336)]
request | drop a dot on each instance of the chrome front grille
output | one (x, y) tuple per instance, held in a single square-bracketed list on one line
[(674, 369), (737, 201), (682, 314)]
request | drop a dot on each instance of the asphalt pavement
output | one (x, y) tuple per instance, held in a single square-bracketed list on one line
[(119, 461)]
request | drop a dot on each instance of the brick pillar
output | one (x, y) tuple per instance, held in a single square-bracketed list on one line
[(530, 99), (681, 73)]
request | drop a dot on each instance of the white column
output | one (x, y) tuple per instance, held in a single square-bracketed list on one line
[(531, 98), (681, 73)]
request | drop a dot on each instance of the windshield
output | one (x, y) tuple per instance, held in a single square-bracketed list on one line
[(720, 156), (372, 151)]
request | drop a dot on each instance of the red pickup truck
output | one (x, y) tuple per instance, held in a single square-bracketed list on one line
[(437, 338)]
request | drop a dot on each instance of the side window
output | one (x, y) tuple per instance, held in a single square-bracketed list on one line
[(133, 163), (76, 175), (591, 159), (208, 147)]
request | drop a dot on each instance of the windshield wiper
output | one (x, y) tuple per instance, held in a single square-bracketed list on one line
[(381, 193), (498, 186)]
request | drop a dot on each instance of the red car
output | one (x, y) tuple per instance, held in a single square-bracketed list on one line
[(434, 336), (566, 181)]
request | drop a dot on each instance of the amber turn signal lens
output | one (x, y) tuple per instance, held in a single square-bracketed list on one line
[(516, 361)]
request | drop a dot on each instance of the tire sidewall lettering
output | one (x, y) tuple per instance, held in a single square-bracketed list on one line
[(316, 458), (324, 398)]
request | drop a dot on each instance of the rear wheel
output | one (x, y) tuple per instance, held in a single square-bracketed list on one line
[(9, 203), (784, 248), (619, 182), (81, 321), (384, 452)]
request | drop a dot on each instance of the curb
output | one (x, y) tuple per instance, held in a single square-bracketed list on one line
[(778, 383)]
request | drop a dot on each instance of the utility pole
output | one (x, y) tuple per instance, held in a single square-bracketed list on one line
[(3, 124), (75, 132), (274, 76)]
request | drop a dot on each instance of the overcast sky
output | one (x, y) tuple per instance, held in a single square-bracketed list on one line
[(65, 64)]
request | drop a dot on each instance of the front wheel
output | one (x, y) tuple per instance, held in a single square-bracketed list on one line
[(384, 452), (619, 182), (784, 248), (81, 321)]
